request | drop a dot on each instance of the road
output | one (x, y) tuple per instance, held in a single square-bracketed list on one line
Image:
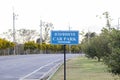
[(15, 67)]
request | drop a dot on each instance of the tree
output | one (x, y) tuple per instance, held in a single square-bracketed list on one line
[(8, 35), (90, 34), (98, 46), (26, 35), (106, 45), (5, 45), (46, 27), (46, 30), (108, 20), (113, 59), (56, 48), (30, 45), (95, 47), (88, 50), (22, 35)]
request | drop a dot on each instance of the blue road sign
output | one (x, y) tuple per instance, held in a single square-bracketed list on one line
[(65, 37)]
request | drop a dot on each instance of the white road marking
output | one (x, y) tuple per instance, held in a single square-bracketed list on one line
[(23, 78)]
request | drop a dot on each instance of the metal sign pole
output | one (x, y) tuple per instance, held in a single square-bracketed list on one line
[(64, 62)]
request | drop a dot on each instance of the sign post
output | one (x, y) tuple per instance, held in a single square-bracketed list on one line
[(65, 38), (64, 62)]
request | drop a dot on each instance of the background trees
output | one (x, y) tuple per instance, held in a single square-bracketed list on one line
[(5, 46), (26, 43), (25, 35), (45, 32), (22, 35), (29, 47), (106, 45)]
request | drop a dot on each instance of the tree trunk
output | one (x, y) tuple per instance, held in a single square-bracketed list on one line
[(98, 59), (8, 51), (4, 52)]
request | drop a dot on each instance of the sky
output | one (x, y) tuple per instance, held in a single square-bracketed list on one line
[(78, 14)]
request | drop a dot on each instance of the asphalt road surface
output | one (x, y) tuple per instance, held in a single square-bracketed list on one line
[(15, 67)]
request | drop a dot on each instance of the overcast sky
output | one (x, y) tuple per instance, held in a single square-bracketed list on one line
[(79, 14)]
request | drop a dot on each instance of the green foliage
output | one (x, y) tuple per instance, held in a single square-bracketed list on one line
[(4, 44), (113, 60), (88, 50), (75, 48), (30, 45), (50, 48), (105, 46), (94, 47)]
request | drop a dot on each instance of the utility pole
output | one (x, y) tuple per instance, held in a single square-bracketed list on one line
[(118, 24), (88, 36), (69, 44), (41, 36), (14, 38)]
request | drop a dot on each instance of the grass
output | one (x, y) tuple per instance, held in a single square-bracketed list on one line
[(81, 68)]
